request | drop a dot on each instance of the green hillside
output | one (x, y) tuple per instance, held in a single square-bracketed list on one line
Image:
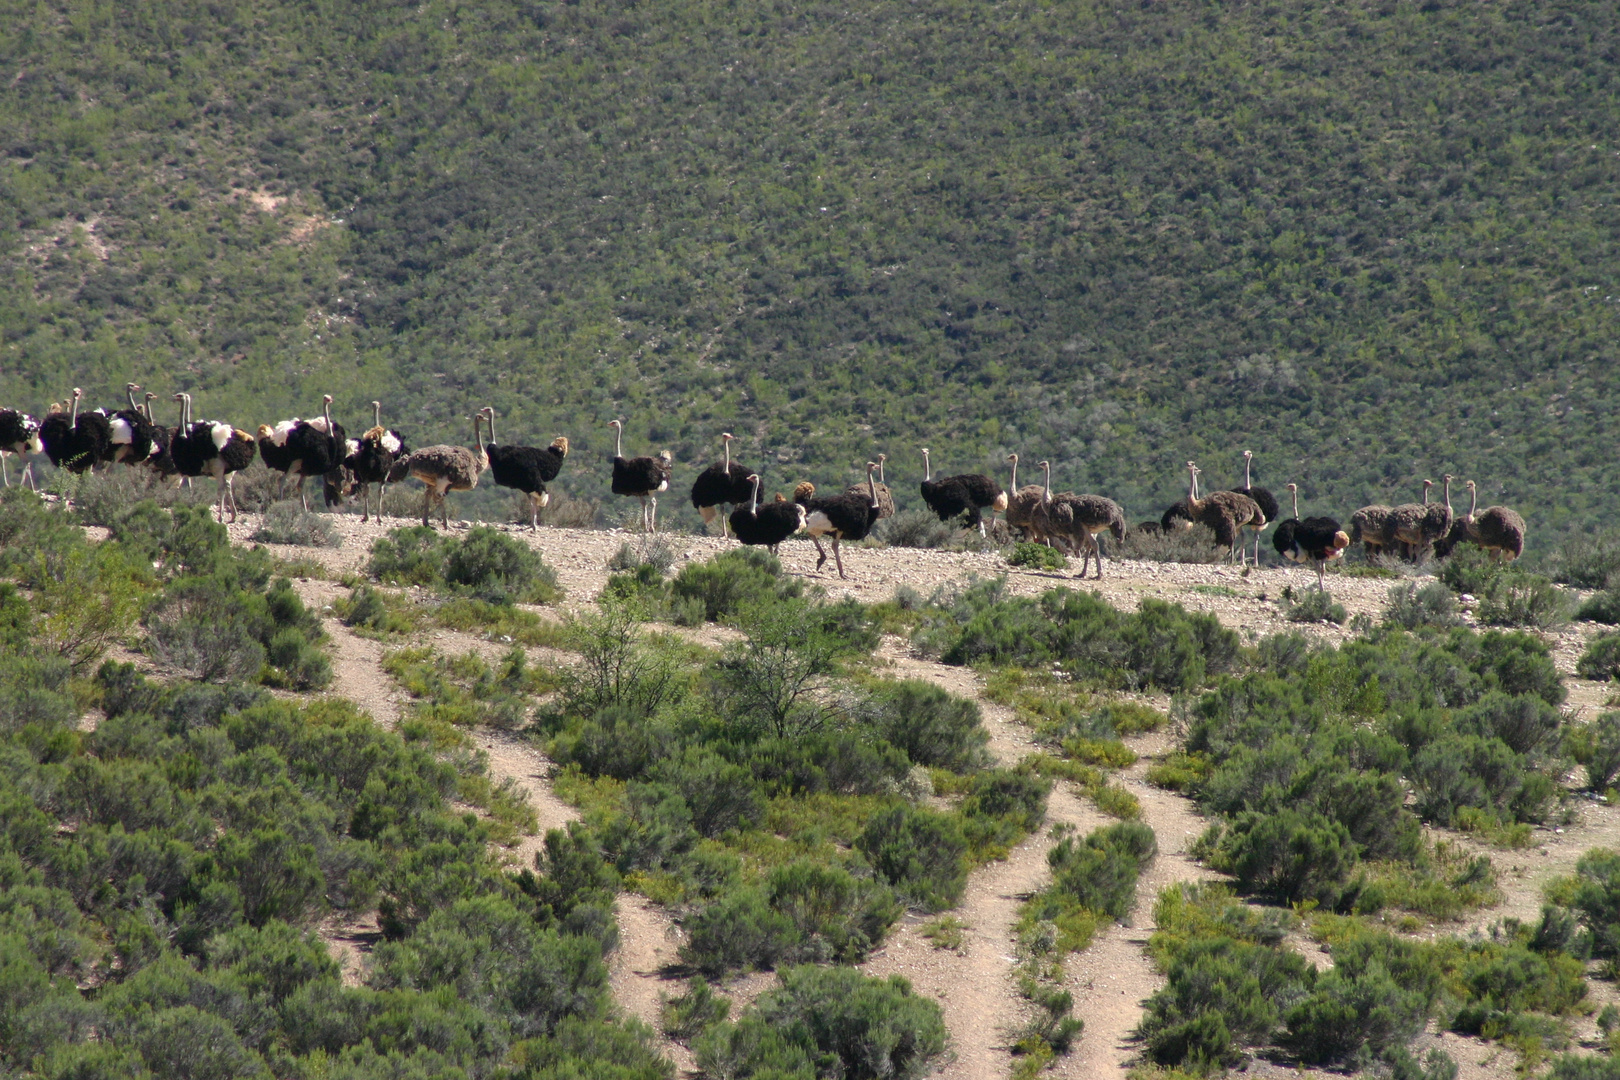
[(1371, 241)]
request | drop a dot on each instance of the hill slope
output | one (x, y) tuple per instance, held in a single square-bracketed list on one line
[(1370, 242)]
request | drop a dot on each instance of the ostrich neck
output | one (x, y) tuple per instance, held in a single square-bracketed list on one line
[(1296, 503), (1046, 485), (1247, 483), (478, 435), (73, 419), (489, 418), (376, 414), (129, 392), (871, 485), (928, 470), (1015, 474), (753, 500), (1448, 497), (880, 473), (1473, 500), (618, 440), (727, 443)]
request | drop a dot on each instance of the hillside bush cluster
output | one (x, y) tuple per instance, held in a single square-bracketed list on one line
[(1160, 645), (484, 564), (1233, 985), (1301, 764), (765, 793)]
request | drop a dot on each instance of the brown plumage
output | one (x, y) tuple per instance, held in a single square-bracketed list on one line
[(1404, 525), (1023, 504), (1075, 520), (1497, 529), (445, 468), (1226, 512), (884, 495), (1367, 528)]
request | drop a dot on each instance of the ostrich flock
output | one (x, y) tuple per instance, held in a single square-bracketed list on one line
[(318, 447)]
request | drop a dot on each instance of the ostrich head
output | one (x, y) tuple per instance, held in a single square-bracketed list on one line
[(560, 444)]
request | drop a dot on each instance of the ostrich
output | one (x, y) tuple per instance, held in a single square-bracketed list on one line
[(721, 484), (446, 468), (211, 448), (1497, 529), (306, 448), (885, 496), (843, 516), (1265, 500), (74, 442), (135, 439), (19, 434), (526, 468), (1316, 540), (1437, 520), (1404, 525), (641, 477), (1175, 519), (1226, 512), (1367, 527), (766, 525), (967, 493), (1023, 504), (1079, 518), (161, 462), (375, 458)]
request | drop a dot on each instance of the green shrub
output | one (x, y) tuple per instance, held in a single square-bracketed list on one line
[(773, 680), (1596, 896), (838, 917), (484, 563), (1586, 559), (1314, 606), (1603, 607), (932, 726), (921, 852), (694, 1012), (734, 580), (1288, 854), (915, 529), (652, 552), (1431, 605), (1467, 770), (1524, 723), (1597, 747), (1036, 557), (1601, 660), (1469, 570), (740, 931), (285, 523), (859, 1028), (1099, 873), (367, 608), (1513, 598), (1589, 1067)]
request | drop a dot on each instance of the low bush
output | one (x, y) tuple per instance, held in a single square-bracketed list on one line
[(920, 852), (1586, 560), (692, 1013), (654, 552), (1036, 557), (1513, 598), (1287, 854), (1469, 570), (286, 523), (374, 610), (1602, 607), (734, 580), (1596, 747), (1312, 606), (932, 726), (1411, 606), (1601, 659), (484, 563), (1595, 895), (915, 529), (851, 1025)]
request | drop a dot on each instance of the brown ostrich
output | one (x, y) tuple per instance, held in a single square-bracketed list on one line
[(1226, 512), (446, 468)]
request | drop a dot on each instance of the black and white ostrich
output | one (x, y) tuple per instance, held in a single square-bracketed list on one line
[(766, 525), (306, 448), (211, 448), (845, 516), (721, 484), (527, 468), (642, 478), (1316, 540), (19, 434), (1265, 500), (968, 494), (375, 458), (135, 439), (76, 442)]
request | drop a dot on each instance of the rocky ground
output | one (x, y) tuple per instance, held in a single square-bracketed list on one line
[(974, 983)]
